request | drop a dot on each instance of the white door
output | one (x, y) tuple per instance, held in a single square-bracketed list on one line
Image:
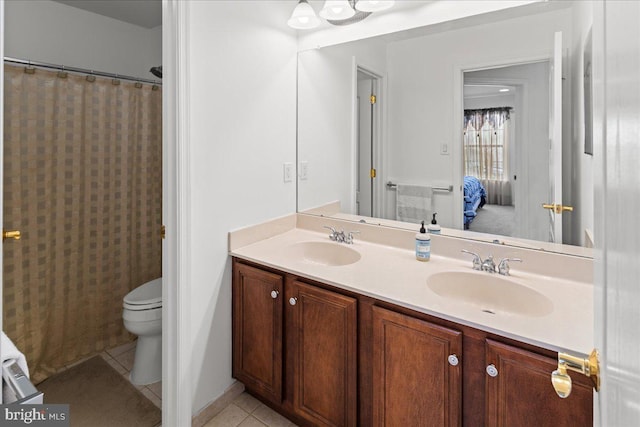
[(363, 190), (555, 141), (1, 148), (616, 156), (366, 133)]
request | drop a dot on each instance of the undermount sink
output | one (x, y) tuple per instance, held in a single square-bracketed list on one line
[(492, 294), (324, 253)]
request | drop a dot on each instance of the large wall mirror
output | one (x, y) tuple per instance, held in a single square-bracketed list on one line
[(467, 119)]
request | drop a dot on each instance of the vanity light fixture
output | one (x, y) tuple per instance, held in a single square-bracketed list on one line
[(336, 12)]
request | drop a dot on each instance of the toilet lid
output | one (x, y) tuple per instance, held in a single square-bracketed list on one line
[(149, 293)]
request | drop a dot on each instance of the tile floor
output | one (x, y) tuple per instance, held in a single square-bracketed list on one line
[(246, 411), (121, 359)]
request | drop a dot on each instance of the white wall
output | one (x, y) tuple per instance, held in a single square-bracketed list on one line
[(582, 179), (47, 31), (242, 92), (326, 100), (421, 70)]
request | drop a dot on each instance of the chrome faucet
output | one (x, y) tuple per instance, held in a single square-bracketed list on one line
[(349, 237), (336, 236), (340, 236), (503, 267), (477, 261), (488, 265)]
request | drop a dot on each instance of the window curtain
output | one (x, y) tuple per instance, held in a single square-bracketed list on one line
[(83, 182), (486, 151)]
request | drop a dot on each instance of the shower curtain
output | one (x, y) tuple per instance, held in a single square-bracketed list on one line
[(83, 182)]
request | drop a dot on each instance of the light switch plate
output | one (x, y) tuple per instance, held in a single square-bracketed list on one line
[(304, 170), (444, 149), (288, 172)]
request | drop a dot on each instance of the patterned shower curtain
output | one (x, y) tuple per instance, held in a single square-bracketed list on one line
[(83, 182)]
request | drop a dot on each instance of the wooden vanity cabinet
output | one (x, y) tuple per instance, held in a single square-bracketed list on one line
[(420, 388), (257, 330), (322, 337), (521, 394), (417, 375), (327, 358), (295, 345)]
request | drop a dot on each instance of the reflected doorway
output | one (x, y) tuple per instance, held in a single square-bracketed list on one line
[(506, 150), (367, 131)]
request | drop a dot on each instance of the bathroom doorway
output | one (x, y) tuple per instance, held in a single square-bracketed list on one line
[(109, 168)]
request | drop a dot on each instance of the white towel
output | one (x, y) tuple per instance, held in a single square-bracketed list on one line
[(413, 203)]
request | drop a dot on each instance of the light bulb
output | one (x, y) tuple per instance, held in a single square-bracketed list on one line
[(337, 10), (303, 17), (373, 5)]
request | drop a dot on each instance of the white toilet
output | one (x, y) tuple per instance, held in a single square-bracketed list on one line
[(142, 316)]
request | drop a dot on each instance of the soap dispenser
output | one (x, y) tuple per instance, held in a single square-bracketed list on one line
[(423, 245), (434, 227)]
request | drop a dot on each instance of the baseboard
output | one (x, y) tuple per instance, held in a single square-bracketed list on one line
[(215, 407)]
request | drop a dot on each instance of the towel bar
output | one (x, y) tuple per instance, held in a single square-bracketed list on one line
[(391, 186)]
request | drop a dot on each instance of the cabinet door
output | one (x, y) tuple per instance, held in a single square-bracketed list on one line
[(324, 343), (257, 330), (413, 382), (521, 393)]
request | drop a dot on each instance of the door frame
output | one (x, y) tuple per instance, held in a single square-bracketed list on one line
[(458, 122), (176, 336)]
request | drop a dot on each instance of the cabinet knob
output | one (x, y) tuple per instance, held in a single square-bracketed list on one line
[(274, 294), (453, 360), (492, 371), (293, 300)]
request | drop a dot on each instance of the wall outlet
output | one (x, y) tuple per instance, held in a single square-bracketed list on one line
[(444, 149), (288, 172), (304, 170)]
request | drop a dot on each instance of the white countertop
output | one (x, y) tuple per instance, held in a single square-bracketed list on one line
[(393, 274)]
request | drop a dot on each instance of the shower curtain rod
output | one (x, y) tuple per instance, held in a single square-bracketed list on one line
[(79, 70)]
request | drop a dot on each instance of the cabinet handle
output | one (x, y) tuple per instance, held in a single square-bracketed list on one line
[(274, 294), (293, 300), (492, 371), (453, 360)]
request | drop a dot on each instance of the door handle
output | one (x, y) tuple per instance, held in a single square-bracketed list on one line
[(557, 208), (589, 366), (13, 234)]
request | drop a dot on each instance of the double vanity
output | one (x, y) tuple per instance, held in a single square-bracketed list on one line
[(337, 334)]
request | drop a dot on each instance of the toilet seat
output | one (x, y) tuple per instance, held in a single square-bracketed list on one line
[(145, 297)]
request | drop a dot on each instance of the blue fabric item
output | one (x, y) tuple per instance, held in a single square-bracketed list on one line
[(475, 196)]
